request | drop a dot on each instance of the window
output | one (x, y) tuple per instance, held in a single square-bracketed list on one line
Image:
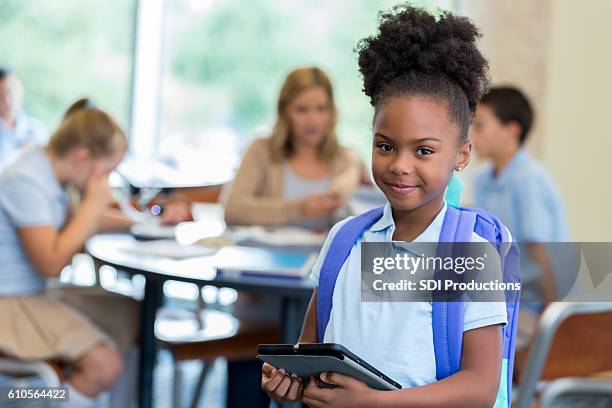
[(206, 72), (224, 62), (63, 50)]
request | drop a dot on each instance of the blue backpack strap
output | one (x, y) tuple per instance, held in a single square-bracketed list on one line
[(510, 258), (447, 315), (490, 228), (338, 251)]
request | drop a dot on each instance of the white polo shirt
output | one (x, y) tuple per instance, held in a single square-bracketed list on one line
[(394, 337)]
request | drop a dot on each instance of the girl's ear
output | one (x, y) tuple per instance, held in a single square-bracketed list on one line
[(463, 155)]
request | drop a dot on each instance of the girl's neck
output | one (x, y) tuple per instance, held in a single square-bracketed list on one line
[(59, 166), (409, 224)]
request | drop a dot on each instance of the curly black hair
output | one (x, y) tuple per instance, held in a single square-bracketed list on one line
[(417, 53)]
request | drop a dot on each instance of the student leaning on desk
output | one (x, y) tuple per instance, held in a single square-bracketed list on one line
[(424, 76), (83, 329), (300, 175)]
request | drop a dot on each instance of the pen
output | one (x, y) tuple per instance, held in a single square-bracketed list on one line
[(156, 209)]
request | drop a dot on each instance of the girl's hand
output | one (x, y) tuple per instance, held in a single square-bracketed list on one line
[(279, 385), (348, 392), (98, 192), (175, 212)]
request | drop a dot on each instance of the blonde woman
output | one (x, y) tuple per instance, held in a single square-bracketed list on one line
[(299, 175)]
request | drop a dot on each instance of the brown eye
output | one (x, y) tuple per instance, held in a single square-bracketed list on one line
[(385, 147), (424, 151)]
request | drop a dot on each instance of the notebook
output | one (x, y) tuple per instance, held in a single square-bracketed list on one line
[(264, 262)]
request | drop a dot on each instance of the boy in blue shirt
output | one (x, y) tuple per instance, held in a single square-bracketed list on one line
[(518, 189)]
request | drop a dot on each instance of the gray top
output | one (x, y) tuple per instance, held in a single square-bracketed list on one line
[(27, 131), (296, 187), (30, 196)]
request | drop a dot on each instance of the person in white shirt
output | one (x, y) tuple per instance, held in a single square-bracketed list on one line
[(17, 128)]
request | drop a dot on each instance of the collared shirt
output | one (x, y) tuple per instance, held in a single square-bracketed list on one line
[(394, 337), (30, 196), (27, 131), (526, 199)]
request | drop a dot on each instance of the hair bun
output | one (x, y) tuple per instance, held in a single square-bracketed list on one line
[(78, 105), (412, 43)]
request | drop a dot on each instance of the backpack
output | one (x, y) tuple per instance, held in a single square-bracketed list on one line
[(447, 317)]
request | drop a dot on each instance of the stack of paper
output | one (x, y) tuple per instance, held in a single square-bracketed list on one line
[(168, 248)]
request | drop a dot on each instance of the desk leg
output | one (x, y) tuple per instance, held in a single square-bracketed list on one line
[(293, 311), (153, 296)]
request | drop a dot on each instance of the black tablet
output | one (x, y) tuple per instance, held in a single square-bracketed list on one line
[(312, 359)]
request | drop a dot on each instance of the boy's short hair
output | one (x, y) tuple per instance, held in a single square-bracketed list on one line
[(510, 105)]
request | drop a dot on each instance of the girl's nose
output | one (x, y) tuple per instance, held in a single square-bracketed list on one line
[(401, 165)]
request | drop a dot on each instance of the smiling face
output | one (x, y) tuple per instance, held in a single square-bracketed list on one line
[(415, 149), (310, 117)]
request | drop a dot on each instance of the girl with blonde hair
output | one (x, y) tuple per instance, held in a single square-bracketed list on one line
[(85, 329)]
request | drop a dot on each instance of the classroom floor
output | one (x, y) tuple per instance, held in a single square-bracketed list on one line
[(213, 395)]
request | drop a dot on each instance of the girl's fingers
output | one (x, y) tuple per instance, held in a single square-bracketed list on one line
[(293, 394), (175, 213), (273, 381), (279, 385), (283, 387), (310, 388), (170, 217), (267, 369), (312, 391)]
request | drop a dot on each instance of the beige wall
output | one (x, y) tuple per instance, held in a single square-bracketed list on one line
[(578, 111), (515, 42), (515, 36), (559, 53)]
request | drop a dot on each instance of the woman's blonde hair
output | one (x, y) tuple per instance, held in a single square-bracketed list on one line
[(84, 125), (297, 82)]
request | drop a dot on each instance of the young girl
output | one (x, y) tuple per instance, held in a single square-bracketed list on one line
[(424, 76), (38, 237)]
